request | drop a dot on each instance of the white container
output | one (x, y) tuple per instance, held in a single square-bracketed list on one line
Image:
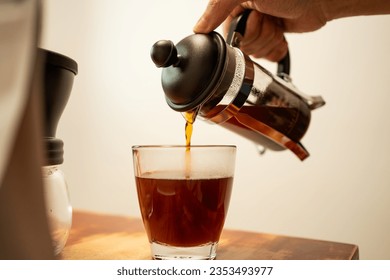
[(58, 207)]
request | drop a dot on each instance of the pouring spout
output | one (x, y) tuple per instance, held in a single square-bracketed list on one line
[(315, 102)]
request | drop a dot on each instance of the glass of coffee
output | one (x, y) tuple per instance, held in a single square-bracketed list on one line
[(184, 195)]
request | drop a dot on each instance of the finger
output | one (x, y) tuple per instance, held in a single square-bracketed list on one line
[(216, 12), (257, 34), (264, 35), (278, 52), (271, 50), (239, 10), (234, 13)]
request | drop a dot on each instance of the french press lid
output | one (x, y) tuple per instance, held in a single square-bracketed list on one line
[(192, 68)]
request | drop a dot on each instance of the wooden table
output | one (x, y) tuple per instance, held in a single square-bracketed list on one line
[(97, 236)]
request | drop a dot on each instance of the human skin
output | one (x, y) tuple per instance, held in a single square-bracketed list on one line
[(271, 19)]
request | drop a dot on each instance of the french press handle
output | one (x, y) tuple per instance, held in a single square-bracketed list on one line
[(237, 31)]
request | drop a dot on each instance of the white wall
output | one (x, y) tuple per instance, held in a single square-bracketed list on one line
[(341, 193)]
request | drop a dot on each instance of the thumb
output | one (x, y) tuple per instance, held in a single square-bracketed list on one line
[(216, 12)]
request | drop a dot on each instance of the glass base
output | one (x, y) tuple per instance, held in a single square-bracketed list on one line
[(166, 252)]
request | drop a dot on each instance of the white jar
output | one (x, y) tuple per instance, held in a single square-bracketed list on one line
[(58, 207)]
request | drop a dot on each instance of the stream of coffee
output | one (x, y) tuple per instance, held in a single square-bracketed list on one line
[(190, 117)]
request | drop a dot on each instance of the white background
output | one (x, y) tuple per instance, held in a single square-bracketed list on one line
[(341, 193)]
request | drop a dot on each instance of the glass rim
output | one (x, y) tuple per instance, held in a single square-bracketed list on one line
[(137, 147)]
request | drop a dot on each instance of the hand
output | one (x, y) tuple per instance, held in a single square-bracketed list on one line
[(267, 23)]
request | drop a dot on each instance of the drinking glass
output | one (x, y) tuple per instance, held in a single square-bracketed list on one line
[(184, 195)]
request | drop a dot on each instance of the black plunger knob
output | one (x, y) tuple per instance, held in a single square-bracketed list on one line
[(164, 53)]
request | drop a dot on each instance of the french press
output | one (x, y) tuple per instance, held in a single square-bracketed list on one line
[(205, 74)]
